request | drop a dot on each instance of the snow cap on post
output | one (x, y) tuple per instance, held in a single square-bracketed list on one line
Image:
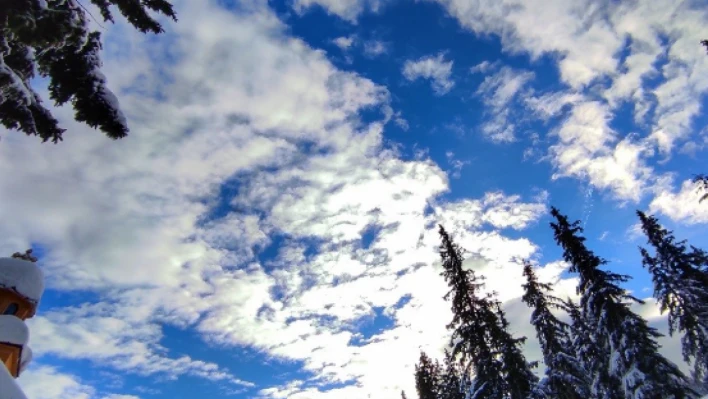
[(13, 331), (22, 276)]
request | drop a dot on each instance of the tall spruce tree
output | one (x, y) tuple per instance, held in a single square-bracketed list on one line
[(436, 381), (480, 335), (52, 38), (681, 288), (427, 377), (565, 376), (622, 337), (520, 380), (587, 350), (453, 380)]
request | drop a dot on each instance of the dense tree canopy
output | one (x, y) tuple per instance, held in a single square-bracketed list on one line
[(480, 332), (627, 360), (681, 288), (565, 376), (606, 351)]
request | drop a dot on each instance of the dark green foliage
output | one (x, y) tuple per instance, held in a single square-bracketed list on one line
[(702, 180), (519, 377), (625, 348), (54, 41), (435, 381), (565, 376), (453, 380), (427, 375), (480, 335), (681, 288), (25, 256), (587, 350)]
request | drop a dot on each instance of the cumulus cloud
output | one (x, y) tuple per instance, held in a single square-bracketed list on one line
[(622, 43), (495, 209), (589, 148), (344, 42), (683, 205), (434, 68), (155, 223)]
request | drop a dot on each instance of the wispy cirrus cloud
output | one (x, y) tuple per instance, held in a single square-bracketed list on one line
[(375, 48), (589, 43), (498, 91)]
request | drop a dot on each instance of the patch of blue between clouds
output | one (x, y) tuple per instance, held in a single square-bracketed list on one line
[(245, 363)]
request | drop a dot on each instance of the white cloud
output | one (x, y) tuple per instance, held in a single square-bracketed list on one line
[(495, 209), (573, 29), (435, 68), (130, 226), (348, 10), (344, 42), (588, 148), (497, 91), (682, 206), (45, 382), (612, 51), (375, 48), (119, 336), (265, 111), (484, 67), (549, 105), (500, 88), (401, 122), (455, 164)]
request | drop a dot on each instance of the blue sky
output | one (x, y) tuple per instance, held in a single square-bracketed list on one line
[(268, 228)]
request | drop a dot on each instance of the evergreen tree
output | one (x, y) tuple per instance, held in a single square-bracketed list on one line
[(427, 377), (52, 38), (403, 395), (622, 337), (480, 333), (681, 287), (565, 378), (587, 351), (520, 380), (702, 180), (453, 380)]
